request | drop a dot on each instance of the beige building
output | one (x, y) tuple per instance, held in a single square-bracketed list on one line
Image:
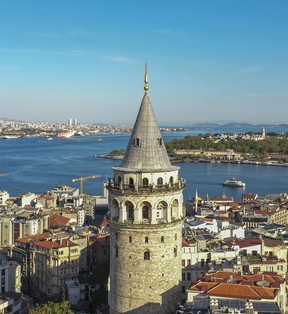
[(146, 216), (28, 224), (54, 262)]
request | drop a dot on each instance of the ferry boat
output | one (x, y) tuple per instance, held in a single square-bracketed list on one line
[(234, 182), (65, 134)]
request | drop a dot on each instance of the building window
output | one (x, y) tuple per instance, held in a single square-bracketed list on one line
[(280, 267), (183, 276), (188, 276), (175, 251), (130, 239), (162, 239), (146, 239), (145, 182), (147, 255), (160, 141), (183, 289), (171, 180), (189, 262), (119, 180), (183, 262), (160, 181)]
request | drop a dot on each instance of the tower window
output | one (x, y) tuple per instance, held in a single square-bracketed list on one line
[(175, 251), (137, 141), (171, 180), (160, 181), (160, 141), (119, 180), (131, 182), (162, 239), (145, 182), (145, 212), (146, 239), (147, 255), (130, 239)]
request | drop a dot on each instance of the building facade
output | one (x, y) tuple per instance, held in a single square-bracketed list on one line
[(146, 216)]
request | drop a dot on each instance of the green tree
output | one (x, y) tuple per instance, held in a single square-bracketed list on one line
[(53, 308)]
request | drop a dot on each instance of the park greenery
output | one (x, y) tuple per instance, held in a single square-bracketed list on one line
[(63, 307), (273, 143)]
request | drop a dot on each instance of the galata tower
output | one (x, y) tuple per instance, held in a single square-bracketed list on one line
[(146, 215)]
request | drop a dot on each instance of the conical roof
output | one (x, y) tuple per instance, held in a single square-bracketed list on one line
[(146, 150)]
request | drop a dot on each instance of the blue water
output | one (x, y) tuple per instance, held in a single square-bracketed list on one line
[(38, 165)]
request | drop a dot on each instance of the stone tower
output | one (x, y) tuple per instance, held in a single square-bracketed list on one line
[(146, 215)]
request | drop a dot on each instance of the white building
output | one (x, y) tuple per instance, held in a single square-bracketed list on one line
[(4, 196)]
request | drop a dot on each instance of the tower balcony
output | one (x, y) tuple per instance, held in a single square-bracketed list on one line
[(121, 188)]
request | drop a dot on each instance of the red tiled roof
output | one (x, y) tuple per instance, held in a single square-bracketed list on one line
[(187, 243), (246, 242), (57, 220), (56, 244), (34, 238), (242, 291)]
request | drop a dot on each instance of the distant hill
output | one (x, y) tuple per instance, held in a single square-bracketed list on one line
[(236, 127)]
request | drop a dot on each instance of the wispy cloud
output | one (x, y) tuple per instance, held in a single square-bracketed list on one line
[(80, 34), (257, 95), (252, 69), (266, 95), (76, 53), (169, 32), (120, 59), (8, 68), (44, 35)]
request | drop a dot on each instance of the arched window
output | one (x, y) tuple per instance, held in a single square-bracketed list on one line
[(146, 239), (145, 182), (175, 251), (162, 239), (130, 239), (171, 180), (160, 181), (131, 182), (145, 213), (147, 255), (130, 212), (119, 180)]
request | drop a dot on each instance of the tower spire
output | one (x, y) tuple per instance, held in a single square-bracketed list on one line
[(146, 87)]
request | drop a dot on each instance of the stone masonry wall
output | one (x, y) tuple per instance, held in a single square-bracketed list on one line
[(141, 285)]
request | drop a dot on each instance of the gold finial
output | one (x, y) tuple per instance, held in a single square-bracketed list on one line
[(146, 87)]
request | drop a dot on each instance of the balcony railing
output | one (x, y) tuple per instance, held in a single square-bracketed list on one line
[(133, 188)]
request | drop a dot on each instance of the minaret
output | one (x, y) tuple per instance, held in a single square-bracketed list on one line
[(263, 133), (146, 215)]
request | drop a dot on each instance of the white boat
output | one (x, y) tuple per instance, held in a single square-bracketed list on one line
[(65, 134), (234, 182)]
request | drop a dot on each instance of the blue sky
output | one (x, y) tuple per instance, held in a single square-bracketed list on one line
[(208, 60)]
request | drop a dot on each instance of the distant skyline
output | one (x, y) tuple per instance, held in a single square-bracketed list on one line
[(208, 60)]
